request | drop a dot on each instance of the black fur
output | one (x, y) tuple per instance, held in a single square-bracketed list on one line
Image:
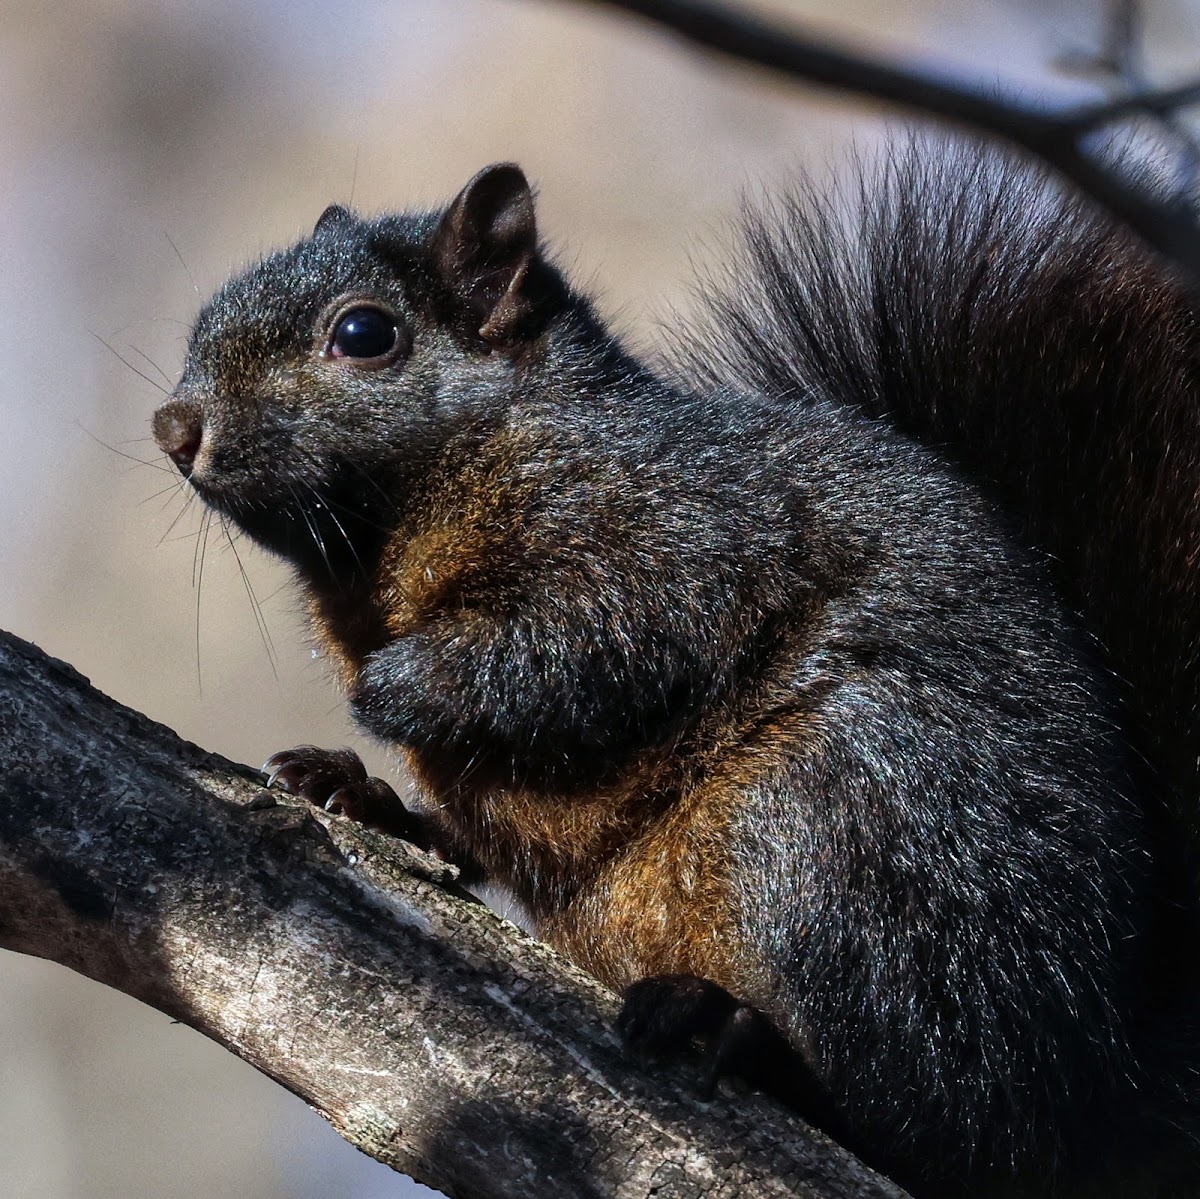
[(948, 886), (982, 308)]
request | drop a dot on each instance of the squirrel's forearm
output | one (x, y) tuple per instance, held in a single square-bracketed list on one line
[(543, 703)]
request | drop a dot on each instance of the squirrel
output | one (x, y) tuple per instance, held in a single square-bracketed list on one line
[(830, 688)]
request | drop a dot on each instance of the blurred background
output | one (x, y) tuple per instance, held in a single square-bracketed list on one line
[(148, 148)]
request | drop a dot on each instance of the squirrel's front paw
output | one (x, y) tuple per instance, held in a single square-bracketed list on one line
[(337, 780)]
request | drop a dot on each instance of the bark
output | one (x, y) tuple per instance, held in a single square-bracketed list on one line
[(432, 1034)]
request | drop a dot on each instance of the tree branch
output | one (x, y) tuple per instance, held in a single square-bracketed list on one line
[(1168, 224), (347, 966)]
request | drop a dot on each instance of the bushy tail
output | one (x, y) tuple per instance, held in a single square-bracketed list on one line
[(967, 298)]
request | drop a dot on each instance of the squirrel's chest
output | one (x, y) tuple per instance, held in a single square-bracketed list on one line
[(417, 577), (628, 881)]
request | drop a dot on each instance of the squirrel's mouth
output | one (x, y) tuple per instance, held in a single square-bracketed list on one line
[(314, 519), (328, 540)]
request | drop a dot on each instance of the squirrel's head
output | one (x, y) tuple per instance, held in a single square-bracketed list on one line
[(321, 379)]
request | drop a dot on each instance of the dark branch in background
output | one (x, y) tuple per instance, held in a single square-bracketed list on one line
[(1058, 138), (1164, 103), (1121, 64), (430, 1033)]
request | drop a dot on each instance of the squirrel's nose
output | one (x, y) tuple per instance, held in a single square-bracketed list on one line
[(179, 429)]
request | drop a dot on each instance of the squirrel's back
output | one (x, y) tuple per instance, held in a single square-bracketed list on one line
[(967, 298)]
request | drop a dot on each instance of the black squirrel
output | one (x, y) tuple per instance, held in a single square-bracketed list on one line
[(833, 690)]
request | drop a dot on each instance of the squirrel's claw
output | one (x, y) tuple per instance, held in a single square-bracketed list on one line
[(337, 780)]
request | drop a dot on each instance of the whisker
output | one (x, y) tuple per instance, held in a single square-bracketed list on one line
[(318, 540), (167, 503), (202, 546), (346, 538), (189, 500), (346, 510), (391, 507), (260, 618), (186, 269), (129, 470), (173, 489), (321, 502), (117, 354), (204, 519), (181, 537), (279, 590), (121, 453), (150, 361)]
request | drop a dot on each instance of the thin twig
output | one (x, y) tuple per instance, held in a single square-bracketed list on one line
[(1161, 103), (1165, 223)]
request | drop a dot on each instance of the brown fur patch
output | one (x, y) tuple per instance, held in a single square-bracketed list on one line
[(347, 626), (418, 574), (631, 879), (627, 880)]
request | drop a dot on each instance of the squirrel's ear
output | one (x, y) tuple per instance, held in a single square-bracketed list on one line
[(485, 248), (335, 214)]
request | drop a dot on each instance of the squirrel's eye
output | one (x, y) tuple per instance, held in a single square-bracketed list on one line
[(364, 333)]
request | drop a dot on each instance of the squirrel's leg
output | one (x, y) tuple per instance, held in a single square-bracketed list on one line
[(485, 696)]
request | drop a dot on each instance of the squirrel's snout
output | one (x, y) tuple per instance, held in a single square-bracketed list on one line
[(179, 430)]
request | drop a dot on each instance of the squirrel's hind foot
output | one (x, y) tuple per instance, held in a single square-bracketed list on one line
[(664, 1015)]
